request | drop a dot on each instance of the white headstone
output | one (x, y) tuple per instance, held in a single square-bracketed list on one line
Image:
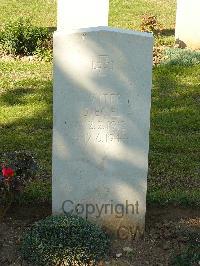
[(76, 14), (102, 98), (188, 24)]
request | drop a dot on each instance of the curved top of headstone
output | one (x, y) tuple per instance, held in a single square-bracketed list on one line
[(76, 14), (106, 29)]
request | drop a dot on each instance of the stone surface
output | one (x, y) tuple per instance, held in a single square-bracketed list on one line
[(102, 96), (188, 24), (77, 14)]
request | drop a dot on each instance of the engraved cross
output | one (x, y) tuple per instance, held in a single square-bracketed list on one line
[(102, 64)]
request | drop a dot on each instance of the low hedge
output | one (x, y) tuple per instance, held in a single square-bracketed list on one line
[(20, 37), (64, 240)]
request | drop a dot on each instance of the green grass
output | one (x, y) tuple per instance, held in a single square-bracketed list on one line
[(123, 14), (175, 135), (26, 124), (128, 13), (26, 108), (40, 12), (37, 192), (26, 103)]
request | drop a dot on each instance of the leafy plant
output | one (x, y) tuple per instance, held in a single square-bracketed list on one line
[(9, 185), (157, 55), (64, 240), (17, 169), (150, 24), (44, 51), (190, 257), (20, 37), (23, 162), (183, 57)]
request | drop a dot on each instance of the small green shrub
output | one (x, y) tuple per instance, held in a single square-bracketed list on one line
[(163, 40), (190, 257), (20, 37), (183, 57), (64, 240), (44, 51)]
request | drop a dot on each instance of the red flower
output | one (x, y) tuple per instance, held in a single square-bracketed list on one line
[(7, 172)]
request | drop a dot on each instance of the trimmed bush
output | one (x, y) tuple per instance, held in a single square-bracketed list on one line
[(20, 37), (64, 240)]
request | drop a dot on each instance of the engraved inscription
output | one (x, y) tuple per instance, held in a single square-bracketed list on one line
[(101, 121), (102, 64), (100, 137), (104, 105), (99, 131)]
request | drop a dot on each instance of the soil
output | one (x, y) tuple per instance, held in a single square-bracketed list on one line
[(169, 231)]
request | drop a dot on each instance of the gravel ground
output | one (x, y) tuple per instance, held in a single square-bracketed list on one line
[(169, 231)]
